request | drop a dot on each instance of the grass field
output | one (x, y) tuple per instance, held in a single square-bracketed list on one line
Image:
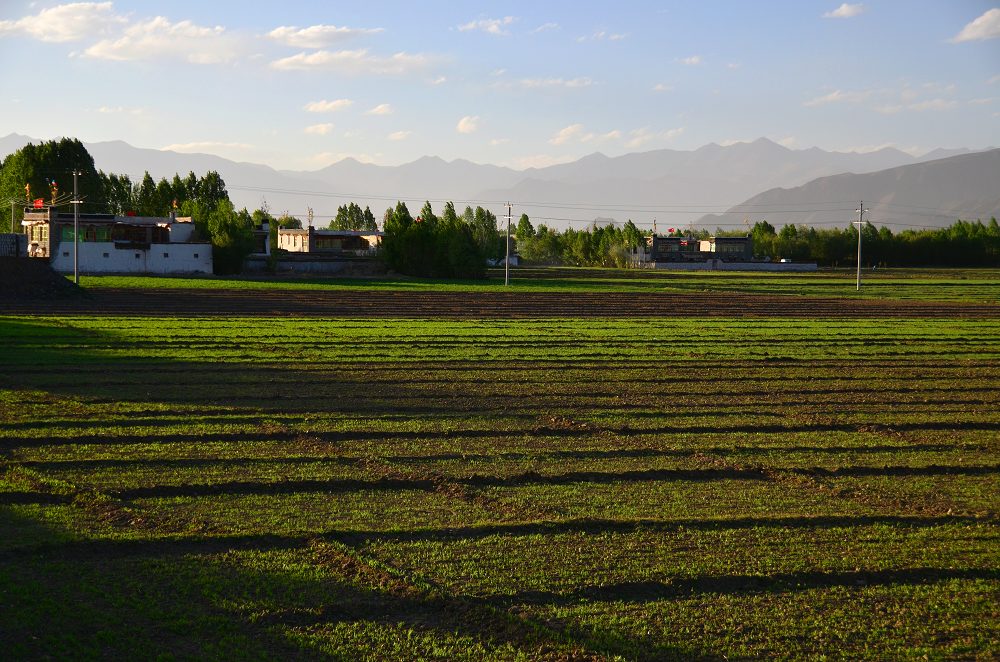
[(668, 488)]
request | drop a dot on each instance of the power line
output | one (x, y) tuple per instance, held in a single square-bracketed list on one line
[(626, 208)]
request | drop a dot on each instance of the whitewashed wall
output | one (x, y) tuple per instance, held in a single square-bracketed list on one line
[(103, 258)]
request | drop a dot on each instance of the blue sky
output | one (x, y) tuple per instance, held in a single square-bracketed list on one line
[(299, 85)]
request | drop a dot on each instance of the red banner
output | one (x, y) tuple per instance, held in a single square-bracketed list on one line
[(39, 203)]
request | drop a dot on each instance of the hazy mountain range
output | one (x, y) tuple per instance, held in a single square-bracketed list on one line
[(930, 194), (672, 186)]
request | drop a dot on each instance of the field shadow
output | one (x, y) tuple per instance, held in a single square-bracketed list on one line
[(680, 587), (95, 606), (238, 597)]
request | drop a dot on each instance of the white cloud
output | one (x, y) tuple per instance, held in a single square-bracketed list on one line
[(495, 26), (601, 35), (575, 132), (357, 62), (468, 124), (440, 80), (663, 87), (889, 109), (159, 38), (572, 83), (791, 142), (325, 106), (399, 135), (566, 134), (319, 129), (919, 106), (734, 65), (933, 104), (994, 80), (846, 10), (498, 72), (981, 102), (545, 27), (499, 141), (838, 96), (208, 145), (121, 110), (691, 61), (985, 27), (381, 109), (317, 36), (640, 137), (69, 22)]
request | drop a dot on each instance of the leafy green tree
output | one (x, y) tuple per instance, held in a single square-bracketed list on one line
[(440, 247), (287, 222), (164, 198), (38, 166), (231, 234), (486, 234), (146, 202), (427, 216), (524, 229), (763, 235), (369, 224), (212, 190), (119, 193), (351, 217), (632, 236)]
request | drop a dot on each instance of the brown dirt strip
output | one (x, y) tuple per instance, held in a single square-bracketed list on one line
[(472, 305)]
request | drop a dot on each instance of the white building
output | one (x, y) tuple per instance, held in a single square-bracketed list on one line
[(117, 244), (358, 243)]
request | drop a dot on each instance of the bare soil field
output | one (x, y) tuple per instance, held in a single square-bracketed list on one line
[(473, 305)]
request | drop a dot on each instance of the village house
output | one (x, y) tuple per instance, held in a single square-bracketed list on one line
[(357, 243), (689, 249), (111, 244)]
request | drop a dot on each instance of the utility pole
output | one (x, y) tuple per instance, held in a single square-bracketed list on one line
[(12, 202), (860, 223), (506, 262), (76, 230)]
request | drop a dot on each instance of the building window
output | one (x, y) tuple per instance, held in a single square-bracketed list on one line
[(65, 253), (166, 255), (137, 256), (196, 256), (106, 255)]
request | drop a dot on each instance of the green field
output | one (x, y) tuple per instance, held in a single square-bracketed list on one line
[(980, 285), (666, 488)]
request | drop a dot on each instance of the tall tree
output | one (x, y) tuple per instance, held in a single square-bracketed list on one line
[(524, 229), (119, 193), (29, 173), (146, 199)]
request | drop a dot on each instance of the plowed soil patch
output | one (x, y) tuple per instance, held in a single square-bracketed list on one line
[(474, 305)]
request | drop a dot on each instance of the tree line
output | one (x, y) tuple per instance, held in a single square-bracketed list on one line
[(451, 245), (962, 244)]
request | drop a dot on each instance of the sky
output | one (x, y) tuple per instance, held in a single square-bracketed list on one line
[(300, 85)]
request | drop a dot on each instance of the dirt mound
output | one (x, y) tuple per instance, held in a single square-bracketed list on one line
[(24, 278)]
